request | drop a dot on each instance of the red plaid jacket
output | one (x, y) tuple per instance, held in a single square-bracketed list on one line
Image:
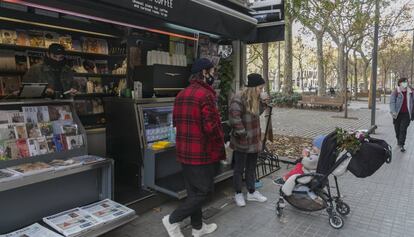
[(200, 138)]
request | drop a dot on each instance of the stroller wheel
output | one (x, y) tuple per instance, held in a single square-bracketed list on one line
[(336, 221), (343, 208)]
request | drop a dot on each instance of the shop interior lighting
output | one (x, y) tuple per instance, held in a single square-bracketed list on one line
[(21, 2), (190, 30), (226, 10)]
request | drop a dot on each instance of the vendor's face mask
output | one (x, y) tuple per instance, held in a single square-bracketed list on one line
[(404, 84)]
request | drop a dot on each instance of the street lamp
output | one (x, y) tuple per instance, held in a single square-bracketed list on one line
[(375, 64)]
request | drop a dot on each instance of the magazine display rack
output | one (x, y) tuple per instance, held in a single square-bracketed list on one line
[(50, 179)]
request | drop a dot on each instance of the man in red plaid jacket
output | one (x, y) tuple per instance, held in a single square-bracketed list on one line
[(200, 145)]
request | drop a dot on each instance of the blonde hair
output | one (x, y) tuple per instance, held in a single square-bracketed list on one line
[(251, 100)]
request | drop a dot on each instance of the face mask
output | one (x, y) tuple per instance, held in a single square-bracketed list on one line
[(404, 85), (210, 79)]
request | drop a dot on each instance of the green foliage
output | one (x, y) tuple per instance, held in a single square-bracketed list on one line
[(349, 141), (226, 77), (284, 100)]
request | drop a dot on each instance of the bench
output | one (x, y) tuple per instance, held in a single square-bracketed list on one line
[(322, 101)]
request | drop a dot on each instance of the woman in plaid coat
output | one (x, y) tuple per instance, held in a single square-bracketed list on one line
[(244, 114)]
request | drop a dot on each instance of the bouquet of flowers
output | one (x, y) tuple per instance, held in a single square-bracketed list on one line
[(350, 140)]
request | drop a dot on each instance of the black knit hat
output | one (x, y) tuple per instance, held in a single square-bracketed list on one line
[(56, 49), (254, 80), (201, 64)]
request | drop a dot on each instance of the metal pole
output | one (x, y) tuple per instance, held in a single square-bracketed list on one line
[(375, 64), (412, 61)]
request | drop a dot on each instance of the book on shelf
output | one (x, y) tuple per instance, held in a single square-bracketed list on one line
[(80, 84), (9, 84), (7, 132), (51, 38), (35, 230), (7, 60), (76, 45), (34, 58), (23, 148), (33, 131), (22, 38), (102, 46), (16, 116), (36, 38), (66, 41), (108, 210), (72, 222), (89, 45), (31, 168), (64, 164), (102, 66), (7, 175), (20, 130), (97, 106), (8, 36)]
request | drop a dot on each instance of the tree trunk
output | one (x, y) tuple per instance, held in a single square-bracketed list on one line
[(366, 66), (321, 70), (278, 68), (346, 85), (287, 85), (341, 67), (356, 76), (265, 47)]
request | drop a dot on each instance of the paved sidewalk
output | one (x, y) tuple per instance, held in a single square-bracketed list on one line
[(381, 205)]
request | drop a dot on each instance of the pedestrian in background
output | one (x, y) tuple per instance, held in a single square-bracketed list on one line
[(244, 115), (401, 108)]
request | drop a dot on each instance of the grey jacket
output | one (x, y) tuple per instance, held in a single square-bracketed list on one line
[(396, 102), (42, 72)]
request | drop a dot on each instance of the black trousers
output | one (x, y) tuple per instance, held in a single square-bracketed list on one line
[(244, 163), (199, 183), (401, 124)]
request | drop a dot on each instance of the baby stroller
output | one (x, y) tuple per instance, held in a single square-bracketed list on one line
[(315, 193)]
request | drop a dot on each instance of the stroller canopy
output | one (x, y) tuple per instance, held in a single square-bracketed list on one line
[(327, 157)]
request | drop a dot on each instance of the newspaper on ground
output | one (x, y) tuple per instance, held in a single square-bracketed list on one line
[(108, 210), (72, 222), (34, 230)]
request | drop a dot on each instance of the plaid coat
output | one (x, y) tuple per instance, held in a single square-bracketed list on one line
[(246, 134), (200, 137)]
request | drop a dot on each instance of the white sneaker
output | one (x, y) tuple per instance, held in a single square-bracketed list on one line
[(205, 230), (173, 230), (239, 198), (256, 197)]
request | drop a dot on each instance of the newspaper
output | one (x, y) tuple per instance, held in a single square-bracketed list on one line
[(31, 168), (7, 175), (88, 159), (64, 164), (72, 222), (108, 210), (34, 230)]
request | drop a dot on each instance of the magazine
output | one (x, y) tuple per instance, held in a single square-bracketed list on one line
[(42, 114), (4, 117), (66, 41), (46, 129), (34, 230), (51, 145), (10, 149), (3, 154), (31, 168), (108, 210), (33, 147), (57, 140), (64, 164), (64, 127), (20, 130), (88, 159), (22, 38), (7, 175), (23, 148), (10, 84), (73, 142), (30, 114), (51, 38), (7, 132), (16, 117), (42, 146), (36, 38), (33, 130), (71, 222)]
